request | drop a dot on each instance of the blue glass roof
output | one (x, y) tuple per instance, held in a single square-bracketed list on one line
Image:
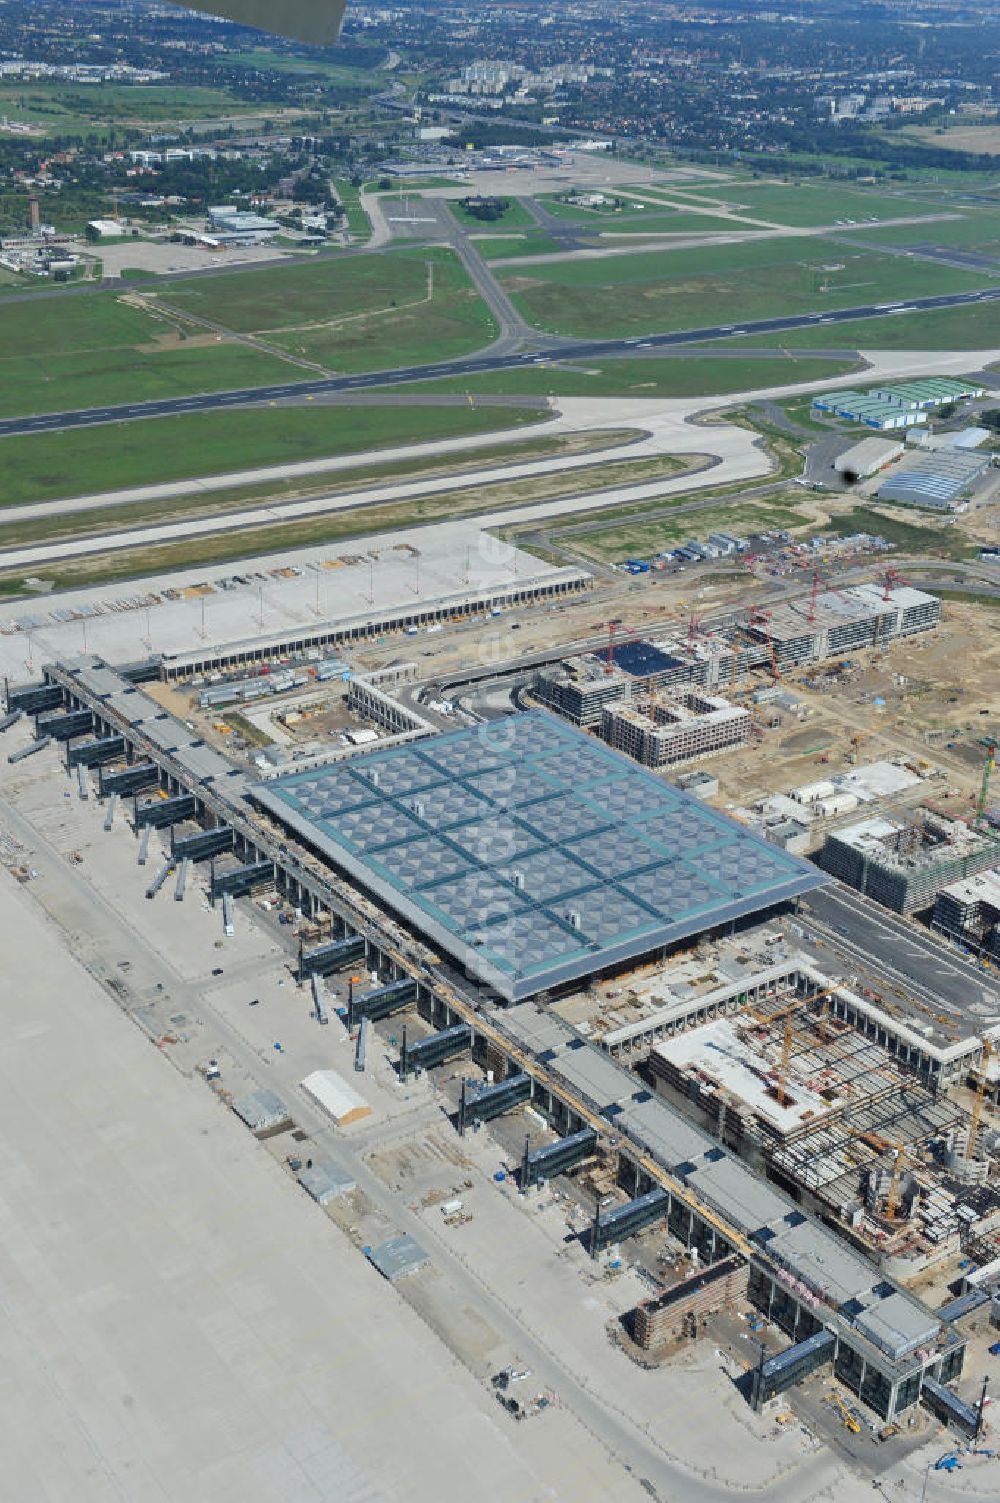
[(640, 659), (531, 853)]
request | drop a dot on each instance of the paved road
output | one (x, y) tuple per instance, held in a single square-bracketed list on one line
[(885, 943), (477, 365)]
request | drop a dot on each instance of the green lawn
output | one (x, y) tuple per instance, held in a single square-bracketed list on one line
[(351, 314), (514, 216), (682, 377), (505, 247), (44, 466), (59, 353), (663, 290)]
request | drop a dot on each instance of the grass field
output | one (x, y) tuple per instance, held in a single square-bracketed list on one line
[(314, 66), (76, 462), (515, 216), (58, 525), (973, 328), (983, 139), (357, 220), (505, 247), (684, 377), (354, 314), (804, 204), (69, 109), (663, 290), (640, 538), (909, 537), (59, 353)]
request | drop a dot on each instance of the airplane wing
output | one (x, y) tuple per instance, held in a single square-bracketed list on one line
[(315, 21)]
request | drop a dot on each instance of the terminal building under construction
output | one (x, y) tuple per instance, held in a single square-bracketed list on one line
[(904, 864), (485, 875), (719, 655)]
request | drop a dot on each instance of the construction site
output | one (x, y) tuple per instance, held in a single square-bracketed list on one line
[(904, 863), (663, 729), (634, 1004)]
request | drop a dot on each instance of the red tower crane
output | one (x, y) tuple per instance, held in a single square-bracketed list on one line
[(891, 579)]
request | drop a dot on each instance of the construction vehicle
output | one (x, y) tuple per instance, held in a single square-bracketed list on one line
[(846, 1417)]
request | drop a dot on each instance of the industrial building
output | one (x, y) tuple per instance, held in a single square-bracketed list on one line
[(678, 1309), (867, 410), (297, 640), (867, 458), (844, 1104), (899, 406), (529, 853), (940, 480), (234, 226), (676, 729), (881, 1341), (930, 392), (904, 864), (952, 438)]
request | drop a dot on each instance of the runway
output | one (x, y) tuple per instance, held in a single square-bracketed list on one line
[(476, 365)]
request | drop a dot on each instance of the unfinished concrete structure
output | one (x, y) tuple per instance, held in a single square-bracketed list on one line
[(722, 652), (678, 1310), (969, 912), (675, 728), (837, 622), (905, 864)]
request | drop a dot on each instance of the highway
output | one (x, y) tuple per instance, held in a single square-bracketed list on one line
[(477, 365)]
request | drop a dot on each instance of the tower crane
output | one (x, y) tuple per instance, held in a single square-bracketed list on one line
[(984, 786)]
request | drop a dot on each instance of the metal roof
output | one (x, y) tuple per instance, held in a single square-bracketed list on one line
[(260, 1110), (325, 1181), (530, 852), (936, 478), (398, 1257), (740, 1195)]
